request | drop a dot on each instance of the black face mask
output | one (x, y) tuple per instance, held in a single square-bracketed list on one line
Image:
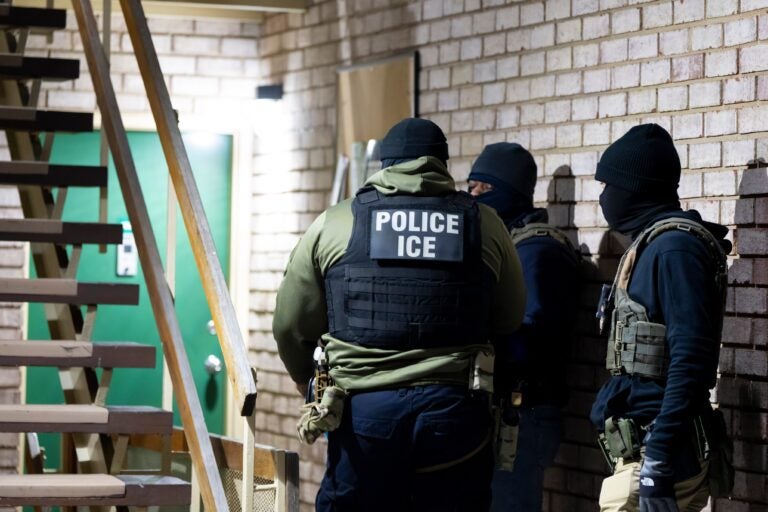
[(629, 212), (509, 205)]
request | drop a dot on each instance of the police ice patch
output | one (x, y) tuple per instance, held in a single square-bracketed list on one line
[(417, 234)]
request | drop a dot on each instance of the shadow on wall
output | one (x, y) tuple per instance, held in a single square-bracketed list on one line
[(574, 483), (742, 391)]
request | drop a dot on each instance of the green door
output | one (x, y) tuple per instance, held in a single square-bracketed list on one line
[(211, 158)]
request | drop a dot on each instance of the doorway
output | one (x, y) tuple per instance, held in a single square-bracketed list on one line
[(211, 156)]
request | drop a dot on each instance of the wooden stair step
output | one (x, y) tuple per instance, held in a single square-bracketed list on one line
[(93, 490), (33, 17), (33, 119), (58, 232), (67, 291), (19, 67), (85, 418), (52, 175), (86, 354)]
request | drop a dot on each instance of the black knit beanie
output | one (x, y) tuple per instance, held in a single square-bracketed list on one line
[(508, 166), (413, 138), (643, 160)]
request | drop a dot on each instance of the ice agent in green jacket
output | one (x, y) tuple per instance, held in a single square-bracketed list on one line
[(407, 285)]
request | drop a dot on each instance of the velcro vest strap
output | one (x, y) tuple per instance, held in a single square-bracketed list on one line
[(637, 346), (535, 229)]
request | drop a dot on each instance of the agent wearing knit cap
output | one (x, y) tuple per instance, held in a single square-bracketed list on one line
[(406, 284), (504, 177), (413, 138), (641, 172), (667, 312)]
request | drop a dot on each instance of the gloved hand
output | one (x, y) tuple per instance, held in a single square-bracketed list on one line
[(657, 488)]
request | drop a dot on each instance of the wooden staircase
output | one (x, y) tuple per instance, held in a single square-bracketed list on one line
[(99, 433), (230, 474)]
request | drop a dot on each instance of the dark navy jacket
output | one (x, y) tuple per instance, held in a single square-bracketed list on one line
[(674, 278), (540, 348)]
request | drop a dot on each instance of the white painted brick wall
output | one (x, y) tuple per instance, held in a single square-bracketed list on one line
[(564, 78)]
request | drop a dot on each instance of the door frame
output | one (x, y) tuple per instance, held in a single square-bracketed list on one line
[(239, 225)]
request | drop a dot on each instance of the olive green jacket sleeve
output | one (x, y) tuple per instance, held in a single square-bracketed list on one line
[(499, 254), (301, 315)]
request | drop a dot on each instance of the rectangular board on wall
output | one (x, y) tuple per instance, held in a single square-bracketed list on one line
[(374, 96)]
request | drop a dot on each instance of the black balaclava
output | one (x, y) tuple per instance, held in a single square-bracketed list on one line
[(512, 172), (641, 171), (410, 139)]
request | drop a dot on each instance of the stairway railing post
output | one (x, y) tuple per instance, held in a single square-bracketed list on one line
[(193, 421)]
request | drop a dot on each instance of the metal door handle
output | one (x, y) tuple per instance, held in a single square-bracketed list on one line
[(213, 365)]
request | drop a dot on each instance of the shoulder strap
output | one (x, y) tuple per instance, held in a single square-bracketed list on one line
[(627, 263), (535, 229)]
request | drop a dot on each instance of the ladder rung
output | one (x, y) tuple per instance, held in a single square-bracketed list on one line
[(32, 119), (33, 17), (58, 232), (67, 291), (17, 66), (93, 490), (72, 353), (138, 419), (42, 173)]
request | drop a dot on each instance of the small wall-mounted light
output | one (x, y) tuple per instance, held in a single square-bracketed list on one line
[(269, 92)]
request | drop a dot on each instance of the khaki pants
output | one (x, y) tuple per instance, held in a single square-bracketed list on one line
[(621, 492)]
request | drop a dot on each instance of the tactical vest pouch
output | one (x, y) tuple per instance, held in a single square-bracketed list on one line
[(721, 473), (506, 438), (640, 348), (321, 417), (481, 376), (622, 439)]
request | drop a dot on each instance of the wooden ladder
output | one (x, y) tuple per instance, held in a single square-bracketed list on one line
[(98, 433)]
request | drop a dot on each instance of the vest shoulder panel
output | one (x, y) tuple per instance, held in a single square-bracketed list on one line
[(637, 346)]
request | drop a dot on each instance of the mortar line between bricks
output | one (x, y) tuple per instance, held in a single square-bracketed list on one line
[(696, 110), (643, 31), (763, 134), (507, 32), (611, 66)]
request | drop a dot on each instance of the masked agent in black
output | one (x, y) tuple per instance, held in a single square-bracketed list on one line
[(664, 316), (504, 177)]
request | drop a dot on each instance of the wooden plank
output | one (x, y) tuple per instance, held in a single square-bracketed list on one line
[(241, 375), (85, 419), (162, 302), (43, 173), (229, 453), (67, 291), (32, 119), (95, 490), (18, 67), (62, 486), (58, 232), (34, 17), (252, 11), (76, 353), (61, 414)]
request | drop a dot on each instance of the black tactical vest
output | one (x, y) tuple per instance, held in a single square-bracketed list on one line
[(637, 346), (412, 275)]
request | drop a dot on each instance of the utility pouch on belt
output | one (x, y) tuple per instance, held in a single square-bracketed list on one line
[(481, 371), (507, 421), (721, 472), (621, 439), (321, 417)]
